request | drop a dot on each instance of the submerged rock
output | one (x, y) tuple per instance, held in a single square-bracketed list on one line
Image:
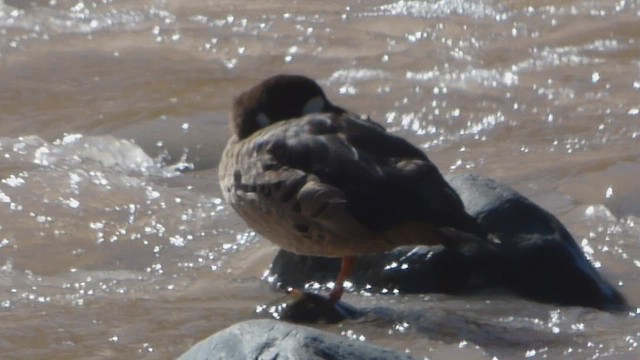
[(537, 258), (271, 339)]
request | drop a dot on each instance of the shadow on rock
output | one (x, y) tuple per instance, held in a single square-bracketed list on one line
[(537, 258)]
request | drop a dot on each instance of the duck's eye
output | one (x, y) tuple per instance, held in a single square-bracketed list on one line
[(316, 104), (263, 120)]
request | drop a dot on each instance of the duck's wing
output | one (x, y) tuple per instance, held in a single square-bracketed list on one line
[(381, 180)]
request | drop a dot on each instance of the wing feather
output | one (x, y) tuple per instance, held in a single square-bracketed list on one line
[(356, 172)]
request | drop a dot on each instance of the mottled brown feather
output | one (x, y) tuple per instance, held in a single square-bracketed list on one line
[(332, 183)]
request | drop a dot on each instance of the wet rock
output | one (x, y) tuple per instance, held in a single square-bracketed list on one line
[(542, 260), (306, 307), (271, 339), (404, 270), (537, 258)]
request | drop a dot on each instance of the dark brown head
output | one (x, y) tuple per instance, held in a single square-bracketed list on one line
[(278, 98)]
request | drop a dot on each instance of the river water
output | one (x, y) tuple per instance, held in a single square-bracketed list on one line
[(114, 240)]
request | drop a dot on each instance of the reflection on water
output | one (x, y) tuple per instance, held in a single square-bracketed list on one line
[(114, 241)]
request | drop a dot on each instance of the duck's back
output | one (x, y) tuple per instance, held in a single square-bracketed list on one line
[(338, 176)]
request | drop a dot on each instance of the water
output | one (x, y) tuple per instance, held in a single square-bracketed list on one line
[(114, 242)]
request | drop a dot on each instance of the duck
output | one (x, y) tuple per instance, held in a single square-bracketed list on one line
[(316, 179)]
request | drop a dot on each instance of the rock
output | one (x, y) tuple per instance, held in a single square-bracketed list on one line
[(271, 339), (537, 257), (542, 260), (306, 307), (405, 270)]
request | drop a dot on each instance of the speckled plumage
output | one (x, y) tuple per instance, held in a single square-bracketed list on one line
[(317, 180)]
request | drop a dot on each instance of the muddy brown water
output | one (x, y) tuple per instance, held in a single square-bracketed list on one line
[(109, 250)]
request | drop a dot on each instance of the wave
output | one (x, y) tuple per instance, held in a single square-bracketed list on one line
[(77, 150)]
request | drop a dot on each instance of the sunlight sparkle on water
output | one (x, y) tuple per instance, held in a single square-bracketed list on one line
[(13, 181), (353, 335)]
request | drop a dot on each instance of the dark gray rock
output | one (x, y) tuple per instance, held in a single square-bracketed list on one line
[(307, 307), (271, 339), (541, 259), (537, 258)]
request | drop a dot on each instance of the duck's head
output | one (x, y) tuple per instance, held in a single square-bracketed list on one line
[(278, 98)]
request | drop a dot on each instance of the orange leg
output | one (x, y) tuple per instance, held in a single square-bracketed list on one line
[(345, 270)]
